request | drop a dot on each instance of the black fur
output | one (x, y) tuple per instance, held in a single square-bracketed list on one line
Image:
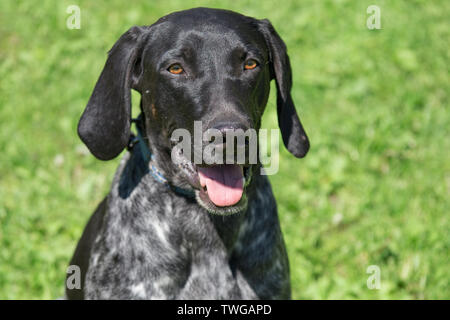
[(147, 241)]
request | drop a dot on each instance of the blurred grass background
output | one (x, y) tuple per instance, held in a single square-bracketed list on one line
[(374, 189)]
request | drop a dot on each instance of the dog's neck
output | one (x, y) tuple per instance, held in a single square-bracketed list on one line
[(140, 168)]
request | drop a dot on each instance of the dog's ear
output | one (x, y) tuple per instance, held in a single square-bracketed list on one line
[(294, 136), (105, 124)]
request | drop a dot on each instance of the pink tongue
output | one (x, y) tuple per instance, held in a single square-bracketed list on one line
[(224, 183)]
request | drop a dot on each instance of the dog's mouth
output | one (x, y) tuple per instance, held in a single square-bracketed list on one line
[(223, 188), (223, 184), (219, 188)]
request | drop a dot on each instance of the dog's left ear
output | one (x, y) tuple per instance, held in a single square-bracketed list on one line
[(294, 136), (105, 124)]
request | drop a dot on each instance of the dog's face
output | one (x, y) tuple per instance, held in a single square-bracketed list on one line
[(207, 65)]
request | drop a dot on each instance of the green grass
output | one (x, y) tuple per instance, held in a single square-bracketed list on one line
[(374, 189)]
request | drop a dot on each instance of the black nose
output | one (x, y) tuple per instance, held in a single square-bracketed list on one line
[(233, 146), (229, 128)]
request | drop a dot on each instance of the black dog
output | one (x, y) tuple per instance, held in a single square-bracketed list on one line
[(163, 232)]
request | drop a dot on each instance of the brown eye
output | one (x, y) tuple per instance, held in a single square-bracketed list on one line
[(250, 64), (175, 69)]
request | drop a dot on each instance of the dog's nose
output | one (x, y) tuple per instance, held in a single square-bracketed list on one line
[(233, 144), (230, 128)]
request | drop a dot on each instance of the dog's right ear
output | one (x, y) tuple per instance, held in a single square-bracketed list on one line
[(105, 124)]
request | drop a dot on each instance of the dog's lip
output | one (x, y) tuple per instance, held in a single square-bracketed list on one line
[(202, 197)]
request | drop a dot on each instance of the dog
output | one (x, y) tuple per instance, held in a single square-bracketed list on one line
[(181, 230)]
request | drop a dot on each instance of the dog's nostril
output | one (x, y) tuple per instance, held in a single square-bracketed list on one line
[(231, 129), (225, 130), (230, 126)]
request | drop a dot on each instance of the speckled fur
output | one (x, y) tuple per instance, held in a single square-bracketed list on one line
[(146, 241), (155, 244)]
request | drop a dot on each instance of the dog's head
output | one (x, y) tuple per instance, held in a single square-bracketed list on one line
[(208, 65)]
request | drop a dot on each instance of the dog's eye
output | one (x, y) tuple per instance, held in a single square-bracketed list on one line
[(250, 64), (175, 69)]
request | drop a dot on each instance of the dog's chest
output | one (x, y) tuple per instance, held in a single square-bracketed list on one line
[(176, 251)]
